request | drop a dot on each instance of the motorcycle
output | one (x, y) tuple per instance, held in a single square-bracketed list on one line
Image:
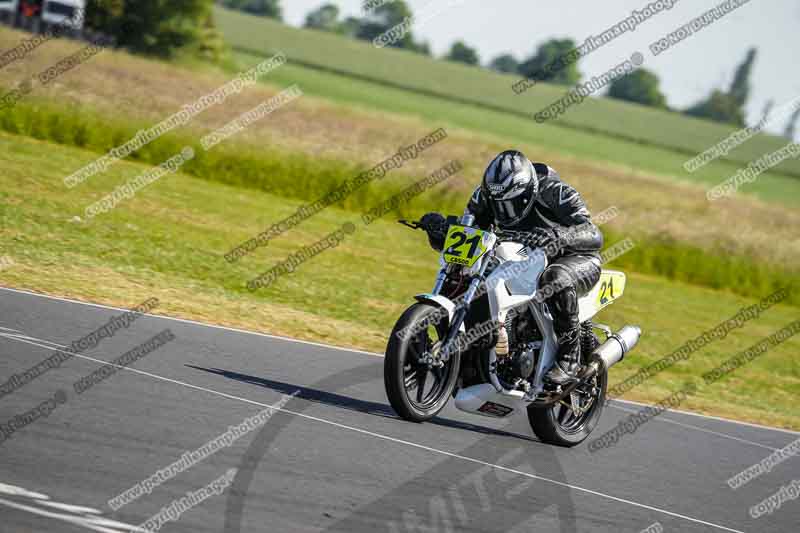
[(484, 335)]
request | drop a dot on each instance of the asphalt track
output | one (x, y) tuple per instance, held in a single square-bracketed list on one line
[(334, 457)]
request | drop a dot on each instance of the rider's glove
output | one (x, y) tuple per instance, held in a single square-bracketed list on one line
[(436, 227), (541, 238)]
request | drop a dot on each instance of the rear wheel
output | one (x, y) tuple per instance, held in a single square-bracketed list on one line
[(417, 390), (570, 421), (568, 424)]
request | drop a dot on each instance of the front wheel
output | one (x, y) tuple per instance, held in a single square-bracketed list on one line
[(562, 425), (416, 390)]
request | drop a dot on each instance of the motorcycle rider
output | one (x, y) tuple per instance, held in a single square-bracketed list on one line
[(519, 195)]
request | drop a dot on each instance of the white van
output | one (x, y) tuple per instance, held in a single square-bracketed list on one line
[(8, 11), (9, 7), (58, 11)]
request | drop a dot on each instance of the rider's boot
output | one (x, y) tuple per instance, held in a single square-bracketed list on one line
[(564, 308), (565, 370)]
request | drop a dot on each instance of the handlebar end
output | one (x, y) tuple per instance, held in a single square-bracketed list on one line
[(414, 224)]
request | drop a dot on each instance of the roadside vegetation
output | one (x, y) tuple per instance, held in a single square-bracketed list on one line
[(695, 262), (168, 242)]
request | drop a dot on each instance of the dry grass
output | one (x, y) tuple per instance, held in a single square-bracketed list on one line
[(168, 242), (119, 84), (181, 299)]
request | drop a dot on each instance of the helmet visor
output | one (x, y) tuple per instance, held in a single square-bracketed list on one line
[(511, 210)]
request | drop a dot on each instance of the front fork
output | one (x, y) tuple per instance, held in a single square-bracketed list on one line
[(461, 311)]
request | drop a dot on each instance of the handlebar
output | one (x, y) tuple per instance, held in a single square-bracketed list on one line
[(502, 235), (414, 224)]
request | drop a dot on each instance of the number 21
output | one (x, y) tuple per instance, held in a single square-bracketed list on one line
[(606, 291)]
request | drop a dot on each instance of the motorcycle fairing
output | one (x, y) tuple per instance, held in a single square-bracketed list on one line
[(441, 301)]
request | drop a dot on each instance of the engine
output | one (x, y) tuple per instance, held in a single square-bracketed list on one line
[(524, 339)]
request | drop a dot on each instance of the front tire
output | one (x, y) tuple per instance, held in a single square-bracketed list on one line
[(417, 392)]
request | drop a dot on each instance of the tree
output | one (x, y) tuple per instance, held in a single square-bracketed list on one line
[(210, 43), (640, 86), (377, 22), (767, 111), (384, 18), (740, 86), (104, 15), (462, 53), (720, 107), (791, 125), (728, 106), (421, 47), (326, 18), (349, 27), (505, 63), (550, 63), (153, 27), (395, 14), (262, 8)]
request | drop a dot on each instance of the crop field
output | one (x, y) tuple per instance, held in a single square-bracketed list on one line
[(545, 141), (488, 90)]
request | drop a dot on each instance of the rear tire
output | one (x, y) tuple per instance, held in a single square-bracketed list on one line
[(403, 375), (557, 424), (549, 426)]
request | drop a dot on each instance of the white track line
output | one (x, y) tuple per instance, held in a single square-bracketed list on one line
[(193, 322), (75, 520), (6, 335), (704, 430), (332, 347), (666, 420), (400, 441)]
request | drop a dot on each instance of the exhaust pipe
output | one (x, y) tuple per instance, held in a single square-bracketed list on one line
[(617, 345), (605, 356)]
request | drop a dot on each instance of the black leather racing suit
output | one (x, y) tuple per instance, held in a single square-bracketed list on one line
[(574, 261)]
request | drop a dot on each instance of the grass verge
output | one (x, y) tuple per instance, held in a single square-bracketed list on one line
[(168, 242), (116, 91), (298, 176)]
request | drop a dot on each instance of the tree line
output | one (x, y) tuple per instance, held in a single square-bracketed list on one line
[(641, 86)]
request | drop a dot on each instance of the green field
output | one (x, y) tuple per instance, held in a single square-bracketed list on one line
[(488, 90), (295, 175), (695, 263), (169, 239), (516, 130)]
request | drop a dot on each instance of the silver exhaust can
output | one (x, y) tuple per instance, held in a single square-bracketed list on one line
[(617, 345)]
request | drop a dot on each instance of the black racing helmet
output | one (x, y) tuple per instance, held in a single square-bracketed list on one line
[(510, 186)]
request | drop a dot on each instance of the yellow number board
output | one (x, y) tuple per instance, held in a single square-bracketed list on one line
[(611, 286), (464, 245)]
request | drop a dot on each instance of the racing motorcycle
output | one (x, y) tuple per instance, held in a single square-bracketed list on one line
[(484, 335)]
